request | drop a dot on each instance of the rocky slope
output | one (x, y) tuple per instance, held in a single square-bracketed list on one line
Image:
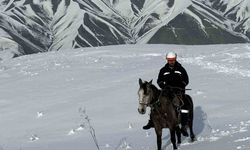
[(51, 25)]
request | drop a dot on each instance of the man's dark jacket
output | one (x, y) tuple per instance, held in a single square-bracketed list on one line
[(175, 77)]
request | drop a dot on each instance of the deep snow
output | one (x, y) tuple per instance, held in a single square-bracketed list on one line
[(41, 94)]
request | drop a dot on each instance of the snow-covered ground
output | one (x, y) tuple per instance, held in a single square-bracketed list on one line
[(47, 98)]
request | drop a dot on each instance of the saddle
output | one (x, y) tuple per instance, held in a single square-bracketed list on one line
[(179, 105)]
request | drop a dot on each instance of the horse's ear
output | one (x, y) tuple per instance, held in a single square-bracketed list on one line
[(150, 82), (140, 81)]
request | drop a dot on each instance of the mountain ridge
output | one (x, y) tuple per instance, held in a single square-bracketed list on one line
[(46, 25)]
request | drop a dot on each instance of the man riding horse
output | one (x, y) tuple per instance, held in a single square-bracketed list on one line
[(173, 75)]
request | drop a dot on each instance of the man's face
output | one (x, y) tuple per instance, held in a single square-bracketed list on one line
[(171, 62)]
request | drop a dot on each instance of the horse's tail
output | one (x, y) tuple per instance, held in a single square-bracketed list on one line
[(189, 100), (189, 106)]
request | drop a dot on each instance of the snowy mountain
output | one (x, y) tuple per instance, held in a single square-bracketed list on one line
[(46, 25), (237, 11)]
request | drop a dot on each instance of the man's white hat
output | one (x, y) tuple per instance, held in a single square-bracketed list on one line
[(171, 56)]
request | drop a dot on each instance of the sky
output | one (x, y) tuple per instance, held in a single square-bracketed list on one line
[(55, 100)]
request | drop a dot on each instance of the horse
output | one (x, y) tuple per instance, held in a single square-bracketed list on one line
[(163, 111)]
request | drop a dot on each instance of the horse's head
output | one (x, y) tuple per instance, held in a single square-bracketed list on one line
[(145, 94)]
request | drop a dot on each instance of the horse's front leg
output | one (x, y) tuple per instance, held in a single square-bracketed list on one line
[(173, 139), (178, 134), (158, 132)]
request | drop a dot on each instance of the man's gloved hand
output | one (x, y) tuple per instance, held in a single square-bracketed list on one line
[(162, 84)]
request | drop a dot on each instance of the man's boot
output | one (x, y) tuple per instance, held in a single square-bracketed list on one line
[(149, 125), (184, 124)]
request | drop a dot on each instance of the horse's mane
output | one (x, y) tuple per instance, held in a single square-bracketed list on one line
[(155, 88), (156, 92)]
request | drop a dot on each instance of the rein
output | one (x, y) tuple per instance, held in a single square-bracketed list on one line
[(155, 104)]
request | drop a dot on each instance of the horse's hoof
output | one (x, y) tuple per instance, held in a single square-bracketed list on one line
[(175, 147), (193, 138), (184, 132)]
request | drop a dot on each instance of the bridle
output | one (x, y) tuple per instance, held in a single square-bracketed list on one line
[(153, 99), (142, 101), (146, 100)]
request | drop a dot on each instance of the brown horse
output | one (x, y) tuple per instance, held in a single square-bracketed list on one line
[(163, 111)]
